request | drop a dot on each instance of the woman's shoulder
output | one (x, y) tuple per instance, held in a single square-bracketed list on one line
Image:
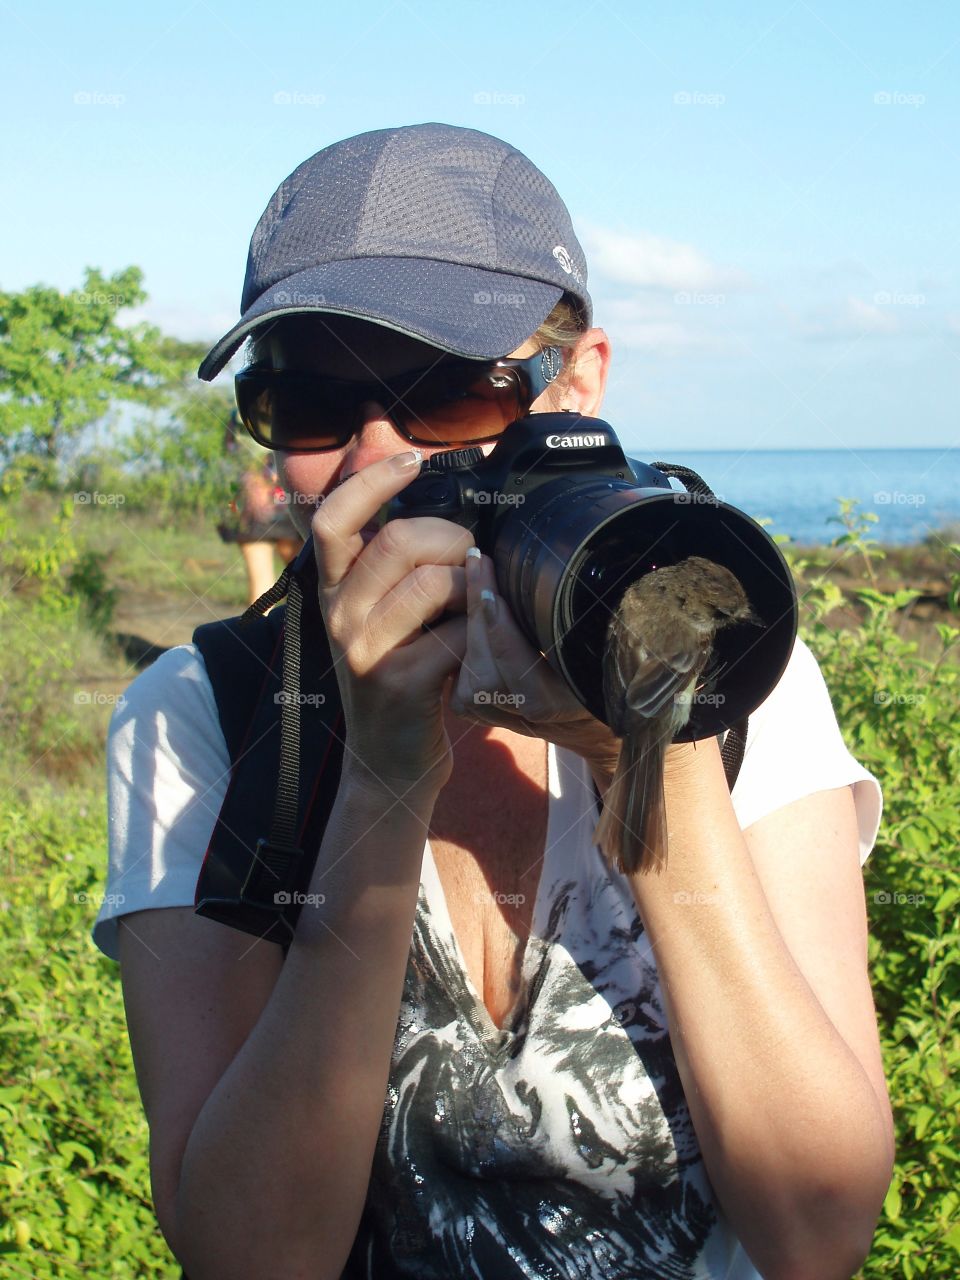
[(795, 747), (169, 707), (802, 671), (800, 698), (177, 677), (167, 774)]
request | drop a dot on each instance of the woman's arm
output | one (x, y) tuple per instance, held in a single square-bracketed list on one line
[(275, 1171), (760, 942), (276, 1168)]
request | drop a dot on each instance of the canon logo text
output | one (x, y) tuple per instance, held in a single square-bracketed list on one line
[(575, 442)]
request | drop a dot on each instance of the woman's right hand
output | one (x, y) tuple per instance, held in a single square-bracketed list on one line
[(375, 600)]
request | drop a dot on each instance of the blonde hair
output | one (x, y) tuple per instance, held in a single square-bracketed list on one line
[(562, 327)]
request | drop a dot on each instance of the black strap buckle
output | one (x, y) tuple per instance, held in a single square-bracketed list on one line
[(272, 877)]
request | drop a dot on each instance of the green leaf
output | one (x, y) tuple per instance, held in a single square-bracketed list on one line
[(79, 1197), (947, 899), (70, 1149), (66, 360), (921, 1120), (52, 1088), (891, 1202)]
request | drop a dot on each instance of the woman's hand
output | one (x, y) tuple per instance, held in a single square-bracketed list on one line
[(375, 600), (504, 681)]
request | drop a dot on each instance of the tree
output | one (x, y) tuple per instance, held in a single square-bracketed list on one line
[(187, 458), (185, 462), (65, 361)]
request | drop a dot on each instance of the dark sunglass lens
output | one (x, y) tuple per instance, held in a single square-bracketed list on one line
[(253, 401), (293, 412), (459, 405)]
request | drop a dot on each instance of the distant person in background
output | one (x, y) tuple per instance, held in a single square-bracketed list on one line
[(261, 521)]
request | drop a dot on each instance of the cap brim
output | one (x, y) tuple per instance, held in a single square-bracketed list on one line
[(464, 310)]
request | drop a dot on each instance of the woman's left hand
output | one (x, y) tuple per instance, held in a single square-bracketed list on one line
[(504, 681)]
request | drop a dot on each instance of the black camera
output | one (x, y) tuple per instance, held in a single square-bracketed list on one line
[(570, 522)]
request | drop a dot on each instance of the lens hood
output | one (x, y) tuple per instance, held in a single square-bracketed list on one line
[(565, 558)]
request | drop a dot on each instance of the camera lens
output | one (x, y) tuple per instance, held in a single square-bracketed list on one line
[(566, 557)]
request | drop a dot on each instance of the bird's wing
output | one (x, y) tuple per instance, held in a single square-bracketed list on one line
[(654, 684), (643, 682), (635, 679)]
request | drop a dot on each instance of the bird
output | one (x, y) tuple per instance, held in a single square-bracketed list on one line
[(659, 642)]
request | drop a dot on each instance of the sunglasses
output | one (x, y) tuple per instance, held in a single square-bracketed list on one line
[(451, 402)]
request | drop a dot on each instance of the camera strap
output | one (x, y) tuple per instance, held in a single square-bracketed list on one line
[(733, 743), (255, 663)]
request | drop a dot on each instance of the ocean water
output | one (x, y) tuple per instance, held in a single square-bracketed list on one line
[(915, 492)]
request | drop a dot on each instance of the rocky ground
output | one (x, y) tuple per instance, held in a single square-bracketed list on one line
[(928, 570), (147, 622)]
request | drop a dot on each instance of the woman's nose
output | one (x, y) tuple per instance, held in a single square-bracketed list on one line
[(376, 437)]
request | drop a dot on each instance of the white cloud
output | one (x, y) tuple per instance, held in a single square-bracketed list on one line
[(655, 326), (653, 262), (853, 319), (869, 318)]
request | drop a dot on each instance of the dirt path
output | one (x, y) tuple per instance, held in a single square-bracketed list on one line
[(147, 623)]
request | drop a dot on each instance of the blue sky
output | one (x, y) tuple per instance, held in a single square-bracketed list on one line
[(767, 192)]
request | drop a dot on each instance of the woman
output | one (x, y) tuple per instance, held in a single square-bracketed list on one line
[(261, 521), (485, 1052)]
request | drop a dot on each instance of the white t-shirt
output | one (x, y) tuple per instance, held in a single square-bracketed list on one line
[(560, 1144), (168, 769)]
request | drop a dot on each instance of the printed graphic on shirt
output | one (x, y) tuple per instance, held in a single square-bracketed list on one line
[(560, 1147)]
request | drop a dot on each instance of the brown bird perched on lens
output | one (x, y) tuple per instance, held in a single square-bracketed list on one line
[(659, 641)]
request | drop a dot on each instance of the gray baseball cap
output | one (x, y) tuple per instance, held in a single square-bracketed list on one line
[(446, 234)]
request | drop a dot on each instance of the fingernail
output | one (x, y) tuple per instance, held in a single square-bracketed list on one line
[(406, 461), (474, 553), (488, 602)]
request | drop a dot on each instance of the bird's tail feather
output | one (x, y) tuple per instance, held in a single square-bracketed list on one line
[(632, 831)]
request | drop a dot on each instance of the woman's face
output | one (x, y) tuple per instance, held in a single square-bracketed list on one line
[(347, 348)]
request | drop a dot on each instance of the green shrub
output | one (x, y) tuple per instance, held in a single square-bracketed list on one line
[(74, 1175), (900, 715), (88, 580), (74, 1166), (54, 600)]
